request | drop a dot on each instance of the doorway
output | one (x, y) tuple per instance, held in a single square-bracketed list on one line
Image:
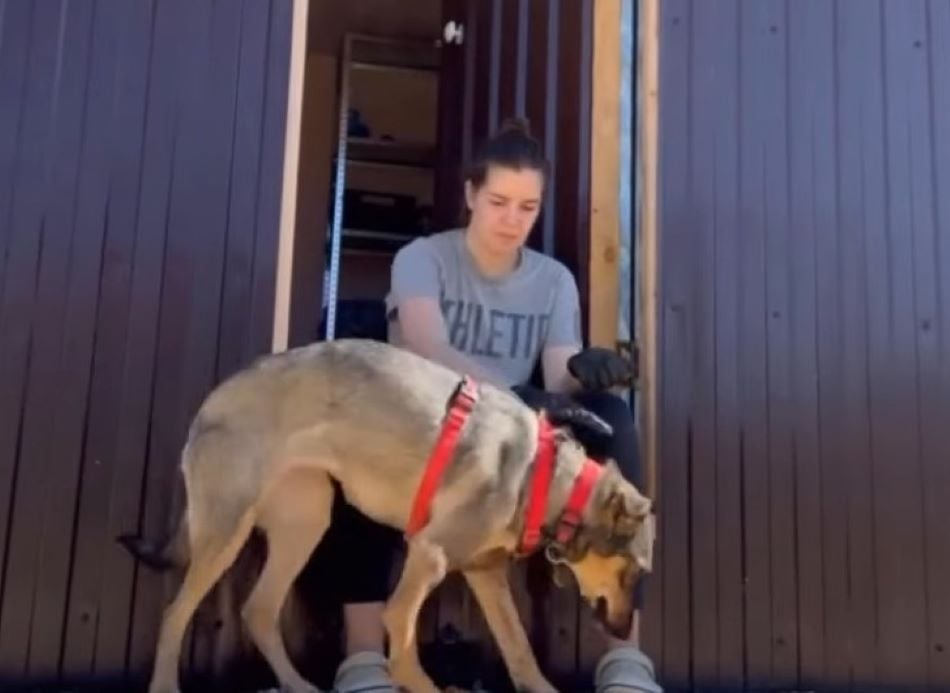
[(530, 58), (369, 158), (519, 58), (383, 175)]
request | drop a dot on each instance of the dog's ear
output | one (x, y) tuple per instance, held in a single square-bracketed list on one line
[(627, 510)]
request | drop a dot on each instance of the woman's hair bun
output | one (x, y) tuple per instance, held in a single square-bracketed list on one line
[(515, 124), (512, 146)]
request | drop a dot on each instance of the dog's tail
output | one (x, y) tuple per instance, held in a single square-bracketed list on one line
[(172, 552)]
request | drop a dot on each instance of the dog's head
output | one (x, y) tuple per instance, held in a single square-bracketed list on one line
[(611, 549)]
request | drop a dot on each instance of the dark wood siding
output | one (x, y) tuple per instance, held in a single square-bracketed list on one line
[(804, 239), (141, 152)]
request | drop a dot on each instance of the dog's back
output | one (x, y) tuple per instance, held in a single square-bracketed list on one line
[(365, 412)]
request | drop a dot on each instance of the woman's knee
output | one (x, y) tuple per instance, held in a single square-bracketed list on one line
[(610, 407), (624, 446)]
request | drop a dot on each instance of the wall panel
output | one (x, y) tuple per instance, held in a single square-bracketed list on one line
[(141, 146), (803, 306)]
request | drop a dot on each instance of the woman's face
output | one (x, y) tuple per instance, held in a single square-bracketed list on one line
[(505, 207)]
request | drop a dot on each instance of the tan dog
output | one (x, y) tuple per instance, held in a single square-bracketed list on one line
[(265, 444)]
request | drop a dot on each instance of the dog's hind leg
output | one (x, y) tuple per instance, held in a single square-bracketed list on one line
[(424, 569), (212, 552), (492, 591), (294, 522)]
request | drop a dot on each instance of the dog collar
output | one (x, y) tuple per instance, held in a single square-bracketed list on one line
[(573, 511)]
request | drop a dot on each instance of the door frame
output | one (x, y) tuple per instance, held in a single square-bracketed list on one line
[(288, 201)]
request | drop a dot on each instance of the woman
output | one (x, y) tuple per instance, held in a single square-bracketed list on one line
[(477, 300)]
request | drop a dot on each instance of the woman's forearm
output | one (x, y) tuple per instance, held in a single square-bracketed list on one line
[(447, 355)]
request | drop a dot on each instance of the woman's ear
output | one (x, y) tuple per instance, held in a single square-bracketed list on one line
[(470, 193)]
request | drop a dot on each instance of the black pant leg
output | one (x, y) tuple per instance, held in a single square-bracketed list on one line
[(354, 562)]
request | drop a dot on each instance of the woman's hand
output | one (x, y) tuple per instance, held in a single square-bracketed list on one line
[(598, 369)]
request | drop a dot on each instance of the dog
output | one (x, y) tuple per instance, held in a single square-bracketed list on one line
[(266, 443)]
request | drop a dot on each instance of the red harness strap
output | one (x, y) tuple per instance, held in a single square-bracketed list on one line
[(463, 401), (583, 486), (573, 511), (540, 484)]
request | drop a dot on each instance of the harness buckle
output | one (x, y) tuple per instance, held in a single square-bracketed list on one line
[(464, 396)]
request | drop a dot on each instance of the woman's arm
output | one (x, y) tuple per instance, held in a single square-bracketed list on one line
[(557, 377), (564, 338), (424, 332), (416, 288)]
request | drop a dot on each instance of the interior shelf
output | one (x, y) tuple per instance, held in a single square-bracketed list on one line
[(384, 164), (381, 151), (381, 52), (365, 241)]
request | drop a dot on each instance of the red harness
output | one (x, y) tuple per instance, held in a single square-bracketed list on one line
[(463, 401)]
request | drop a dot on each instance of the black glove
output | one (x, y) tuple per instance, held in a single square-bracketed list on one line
[(562, 410), (599, 369)]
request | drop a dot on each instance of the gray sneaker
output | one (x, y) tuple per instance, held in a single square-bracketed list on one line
[(364, 672), (623, 670)]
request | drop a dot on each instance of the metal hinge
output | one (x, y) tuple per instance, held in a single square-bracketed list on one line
[(454, 32)]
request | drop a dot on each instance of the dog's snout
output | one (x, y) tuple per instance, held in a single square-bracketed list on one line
[(617, 623)]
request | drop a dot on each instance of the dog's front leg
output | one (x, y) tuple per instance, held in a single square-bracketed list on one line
[(424, 569), (492, 590)]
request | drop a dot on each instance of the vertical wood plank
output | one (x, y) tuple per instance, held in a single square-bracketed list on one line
[(97, 618), (208, 135), (540, 107), (603, 296), (901, 346), (831, 353), (238, 279), (290, 31), (864, 275), (41, 243), (753, 389), (23, 136), (14, 49), (935, 369), (158, 299), (673, 530), (68, 432), (703, 226), (646, 114), (506, 35), (728, 481), (779, 245), (572, 186), (812, 205), (270, 177)]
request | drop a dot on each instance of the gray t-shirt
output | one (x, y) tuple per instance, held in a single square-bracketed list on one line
[(503, 324)]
